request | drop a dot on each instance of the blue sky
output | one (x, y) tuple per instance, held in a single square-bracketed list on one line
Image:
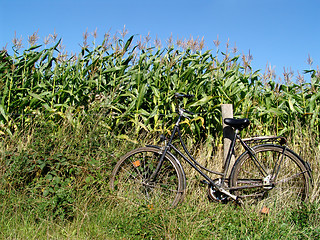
[(280, 33)]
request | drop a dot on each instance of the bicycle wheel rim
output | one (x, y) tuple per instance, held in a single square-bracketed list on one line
[(290, 187), (130, 180)]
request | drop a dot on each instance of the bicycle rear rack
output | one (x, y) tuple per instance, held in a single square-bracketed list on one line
[(266, 139)]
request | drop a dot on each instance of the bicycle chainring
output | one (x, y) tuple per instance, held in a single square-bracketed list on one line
[(216, 195)]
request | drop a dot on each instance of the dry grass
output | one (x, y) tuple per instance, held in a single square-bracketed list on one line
[(97, 213)]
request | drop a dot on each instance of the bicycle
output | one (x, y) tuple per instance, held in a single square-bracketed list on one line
[(268, 171)]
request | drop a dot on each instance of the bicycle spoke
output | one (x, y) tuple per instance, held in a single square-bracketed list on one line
[(131, 178), (290, 178), (290, 186)]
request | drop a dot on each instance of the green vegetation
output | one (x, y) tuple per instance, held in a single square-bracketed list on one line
[(54, 184), (134, 85), (65, 121)]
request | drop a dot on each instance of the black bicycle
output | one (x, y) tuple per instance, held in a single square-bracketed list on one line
[(268, 171)]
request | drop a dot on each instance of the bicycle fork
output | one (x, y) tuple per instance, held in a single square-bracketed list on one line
[(163, 154)]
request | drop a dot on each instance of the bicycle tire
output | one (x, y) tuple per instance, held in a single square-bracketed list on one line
[(130, 181), (290, 187)]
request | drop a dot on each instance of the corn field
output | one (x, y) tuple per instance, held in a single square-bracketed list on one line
[(133, 85)]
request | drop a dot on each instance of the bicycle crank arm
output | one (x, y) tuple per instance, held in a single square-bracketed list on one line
[(220, 189), (234, 197)]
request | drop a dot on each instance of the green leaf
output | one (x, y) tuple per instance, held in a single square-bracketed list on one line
[(126, 137), (202, 101), (46, 192), (3, 112), (291, 105), (128, 43)]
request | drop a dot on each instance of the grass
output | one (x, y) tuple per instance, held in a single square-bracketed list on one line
[(109, 219), (54, 185)]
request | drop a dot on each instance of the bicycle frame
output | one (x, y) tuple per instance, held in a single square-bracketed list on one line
[(191, 161)]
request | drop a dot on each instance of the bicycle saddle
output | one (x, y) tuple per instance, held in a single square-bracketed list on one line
[(237, 123)]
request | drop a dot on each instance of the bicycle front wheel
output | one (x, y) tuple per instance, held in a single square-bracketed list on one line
[(278, 178), (131, 179)]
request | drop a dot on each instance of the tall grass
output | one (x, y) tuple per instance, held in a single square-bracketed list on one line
[(54, 184)]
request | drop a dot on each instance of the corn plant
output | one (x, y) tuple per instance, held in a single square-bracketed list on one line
[(134, 86)]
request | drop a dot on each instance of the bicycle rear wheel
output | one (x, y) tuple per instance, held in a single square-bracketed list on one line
[(287, 184), (131, 179)]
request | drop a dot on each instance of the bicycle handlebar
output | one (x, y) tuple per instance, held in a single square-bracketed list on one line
[(179, 110)]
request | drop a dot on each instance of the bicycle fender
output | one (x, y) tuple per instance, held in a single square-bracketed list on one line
[(305, 163)]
